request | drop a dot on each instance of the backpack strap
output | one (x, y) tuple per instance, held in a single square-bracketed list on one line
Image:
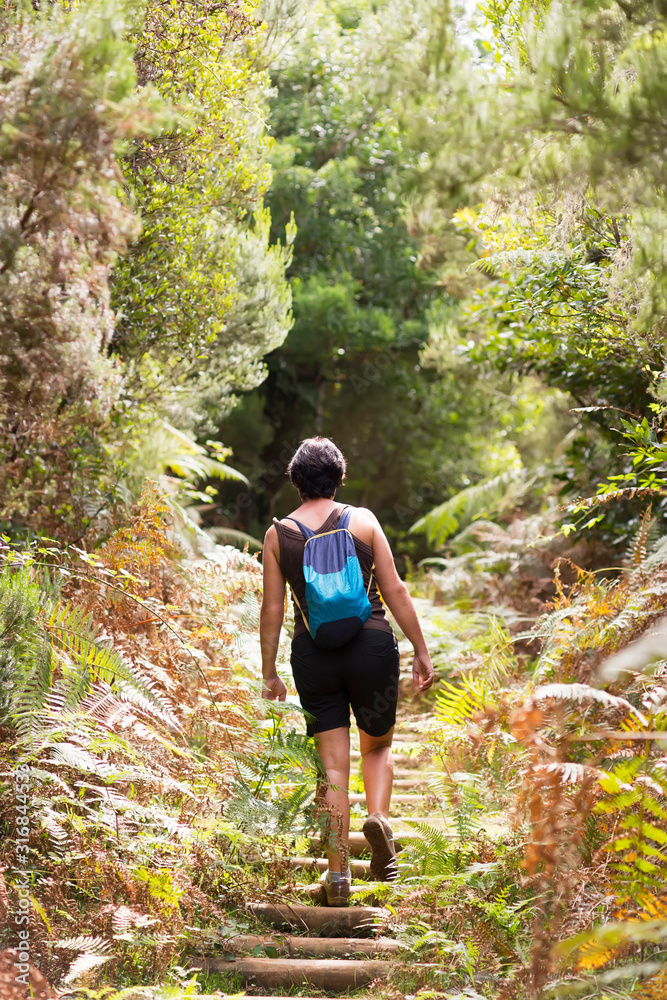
[(304, 617), (344, 519), (306, 532)]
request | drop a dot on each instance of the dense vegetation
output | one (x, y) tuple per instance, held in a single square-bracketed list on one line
[(439, 238)]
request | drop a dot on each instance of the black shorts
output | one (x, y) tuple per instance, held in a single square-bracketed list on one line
[(363, 674)]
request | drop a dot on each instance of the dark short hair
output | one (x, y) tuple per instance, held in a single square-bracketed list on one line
[(317, 468)]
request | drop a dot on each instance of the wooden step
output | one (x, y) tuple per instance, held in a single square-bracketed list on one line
[(409, 764), (400, 741), (401, 752), (435, 819), (413, 773), (329, 921), (404, 797), (360, 869), (292, 946), (324, 973), (358, 844)]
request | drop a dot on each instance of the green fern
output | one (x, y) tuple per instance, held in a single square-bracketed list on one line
[(272, 787), (25, 651), (169, 450), (239, 539), (457, 704), (636, 798), (432, 854), (92, 952), (491, 497)]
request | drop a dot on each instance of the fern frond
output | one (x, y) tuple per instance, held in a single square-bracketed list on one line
[(432, 852), (457, 705), (601, 943), (490, 497), (648, 649), (92, 953), (239, 539), (125, 917), (569, 772), (654, 988), (192, 461), (639, 544), (250, 613), (584, 692), (79, 759)]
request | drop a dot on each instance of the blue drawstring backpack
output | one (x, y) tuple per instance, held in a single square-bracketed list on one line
[(337, 600)]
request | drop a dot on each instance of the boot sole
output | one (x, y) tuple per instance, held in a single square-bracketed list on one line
[(383, 855), (334, 898)]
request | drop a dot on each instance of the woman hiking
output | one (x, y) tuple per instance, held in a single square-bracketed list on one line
[(336, 560)]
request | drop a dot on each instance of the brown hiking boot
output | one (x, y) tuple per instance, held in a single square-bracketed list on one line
[(337, 890), (379, 835)]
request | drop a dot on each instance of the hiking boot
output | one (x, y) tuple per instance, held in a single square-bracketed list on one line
[(337, 887), (380, 836)]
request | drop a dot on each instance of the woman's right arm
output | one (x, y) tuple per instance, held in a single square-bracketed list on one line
[(271, 616), (395, 595)]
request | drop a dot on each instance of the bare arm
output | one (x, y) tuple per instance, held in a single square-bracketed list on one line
[(271, 616), (396, 597)]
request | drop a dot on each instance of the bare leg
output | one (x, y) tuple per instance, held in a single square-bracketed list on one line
[(377, 768), (333, 747)]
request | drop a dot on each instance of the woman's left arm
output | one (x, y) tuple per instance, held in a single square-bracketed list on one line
[(271, 616)]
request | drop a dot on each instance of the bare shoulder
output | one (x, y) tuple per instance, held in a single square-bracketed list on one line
[(367, 516), (271, 539), (364, 524)]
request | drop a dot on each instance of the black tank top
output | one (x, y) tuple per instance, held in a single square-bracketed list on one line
[(291, 543)]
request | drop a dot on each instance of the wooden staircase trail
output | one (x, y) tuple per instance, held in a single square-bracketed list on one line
[(333, 949)]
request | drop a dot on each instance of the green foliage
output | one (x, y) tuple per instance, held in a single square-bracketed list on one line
[(69, 100), (201, 296), (550, 306), (577, 100), (24, 649), (137, 276), (479, 501), (274, 788), (554, 122), (69, 103), (644, 460), (363, 307), (635, 798)]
